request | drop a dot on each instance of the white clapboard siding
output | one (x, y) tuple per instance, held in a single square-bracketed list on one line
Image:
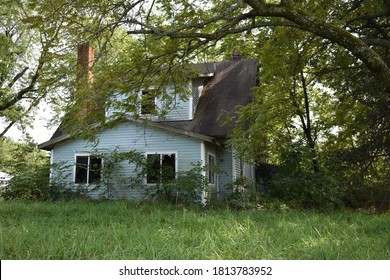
[(126, 137)]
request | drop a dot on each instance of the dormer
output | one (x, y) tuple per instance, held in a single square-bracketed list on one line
[(150, 106), (197, 85), (215, 88)]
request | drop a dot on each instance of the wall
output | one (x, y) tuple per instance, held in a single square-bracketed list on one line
[(174, 109), (126, 137)]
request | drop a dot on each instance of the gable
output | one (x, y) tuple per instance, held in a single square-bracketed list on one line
[(140, 132)]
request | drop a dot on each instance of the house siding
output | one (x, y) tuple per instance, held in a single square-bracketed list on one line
[(126, 137), (225, 160), (175, 110), (243, 169)]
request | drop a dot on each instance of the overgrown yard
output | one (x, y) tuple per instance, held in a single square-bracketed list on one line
[(124, 230)]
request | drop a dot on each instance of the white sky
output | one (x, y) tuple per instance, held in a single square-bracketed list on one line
[(40, 133)]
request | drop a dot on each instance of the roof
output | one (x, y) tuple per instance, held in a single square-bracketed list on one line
[(228, 88)]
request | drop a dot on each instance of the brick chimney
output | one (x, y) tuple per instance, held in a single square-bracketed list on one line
[(85, 61), (89, 104)]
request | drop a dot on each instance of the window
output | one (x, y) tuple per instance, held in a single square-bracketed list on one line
[(148, 102), (88, 169), (161, 168), (211, 172)]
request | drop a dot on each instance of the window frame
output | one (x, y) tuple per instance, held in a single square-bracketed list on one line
[(161, 153), (210, 173), (89, 156)]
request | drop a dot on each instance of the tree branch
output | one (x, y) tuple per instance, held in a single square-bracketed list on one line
[(335, 34), (5, 130), (376, 42), (31, 85), (17, 77)]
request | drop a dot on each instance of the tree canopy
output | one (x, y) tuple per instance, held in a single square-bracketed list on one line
[(324, 79)]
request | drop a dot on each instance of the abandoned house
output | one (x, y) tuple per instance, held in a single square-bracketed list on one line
[(189, 133)]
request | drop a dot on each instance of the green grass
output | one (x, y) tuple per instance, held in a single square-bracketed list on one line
[(124, 230)]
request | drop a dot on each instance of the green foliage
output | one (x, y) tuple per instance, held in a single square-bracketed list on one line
[(113, 178), (19, 157), (307, 190), (36, 185), (30, 169), (245, 195), (186, 188), (29, 185)]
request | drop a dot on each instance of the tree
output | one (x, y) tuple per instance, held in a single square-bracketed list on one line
[(175, 33), (25, 52), (38, 41), (344, 23), (290, 104), (20, 157)]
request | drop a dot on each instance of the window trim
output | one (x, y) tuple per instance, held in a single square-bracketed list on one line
[(88, 168), (161, 153)]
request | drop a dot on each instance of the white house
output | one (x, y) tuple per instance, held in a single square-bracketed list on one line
[(189, 133)]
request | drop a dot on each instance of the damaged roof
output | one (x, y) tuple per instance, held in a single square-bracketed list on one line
[(229, 88)]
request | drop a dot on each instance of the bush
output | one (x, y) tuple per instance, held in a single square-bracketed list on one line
[(375, 196), (245, 195), (29, 185), (35, 185), (185, 189), (306, 190)]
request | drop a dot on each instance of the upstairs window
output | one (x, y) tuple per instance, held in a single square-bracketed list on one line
[(161, 168), (88, 169), (148, 102)]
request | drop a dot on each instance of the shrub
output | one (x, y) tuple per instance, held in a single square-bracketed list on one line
[(306, 190), (36, 185), (184, 189), (29, 185), (245, 195), (112, 177), (375, 196)]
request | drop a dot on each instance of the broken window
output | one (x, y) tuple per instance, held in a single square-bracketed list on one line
[(161, 168), (88, 169)]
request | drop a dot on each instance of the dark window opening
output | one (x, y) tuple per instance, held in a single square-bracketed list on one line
[(161, 168), (211, 172), (95, 167), (153, 169), (88, 169)]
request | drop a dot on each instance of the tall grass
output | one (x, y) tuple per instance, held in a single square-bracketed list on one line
[(125, 230)]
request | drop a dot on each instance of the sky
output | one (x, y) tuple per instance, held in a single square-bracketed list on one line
[(39, 132)]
